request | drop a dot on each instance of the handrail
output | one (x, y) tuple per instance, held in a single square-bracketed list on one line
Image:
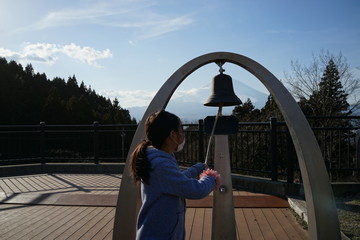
[(250, 146)]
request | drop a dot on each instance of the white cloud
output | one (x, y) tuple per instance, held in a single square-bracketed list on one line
[(9, 54), (192, 94), (130, 98), (85, 54), (160, 27), (131, 42), (49, 53), (139, 98), (187, 103), (138, 15)]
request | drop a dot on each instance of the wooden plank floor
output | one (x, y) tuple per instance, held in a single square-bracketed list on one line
[(22, 221), (62, 183)]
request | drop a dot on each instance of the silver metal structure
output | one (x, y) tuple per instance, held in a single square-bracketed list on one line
[(323, 221), (223, 214)]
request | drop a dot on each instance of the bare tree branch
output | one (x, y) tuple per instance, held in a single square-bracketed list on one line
[(304, 79)]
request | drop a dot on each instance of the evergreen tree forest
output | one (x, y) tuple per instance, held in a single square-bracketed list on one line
[(27, 97)]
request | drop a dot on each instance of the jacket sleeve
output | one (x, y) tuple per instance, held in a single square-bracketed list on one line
[(172, 181), (195, 170)]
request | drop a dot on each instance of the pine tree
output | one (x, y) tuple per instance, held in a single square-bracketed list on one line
[(330, 99), (270, 110), (246, 112), (53, 111)]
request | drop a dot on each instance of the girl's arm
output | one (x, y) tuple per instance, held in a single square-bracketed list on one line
[(171, 181), (195, 170)]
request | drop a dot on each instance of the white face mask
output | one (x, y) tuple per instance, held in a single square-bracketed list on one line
[(180, 146)]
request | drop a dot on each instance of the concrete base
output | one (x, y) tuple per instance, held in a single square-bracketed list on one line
[(344, 188), (299, 206), (263, 185), (283, 189)]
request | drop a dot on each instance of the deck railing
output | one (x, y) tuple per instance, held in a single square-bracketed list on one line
[(259, 148), (64, 143)]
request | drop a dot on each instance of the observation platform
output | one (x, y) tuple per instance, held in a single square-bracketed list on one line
[(82, 206)]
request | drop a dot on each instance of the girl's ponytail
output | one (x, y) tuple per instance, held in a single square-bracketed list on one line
[(140, 166)]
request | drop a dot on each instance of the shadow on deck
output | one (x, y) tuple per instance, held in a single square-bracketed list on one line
[(82, 206)]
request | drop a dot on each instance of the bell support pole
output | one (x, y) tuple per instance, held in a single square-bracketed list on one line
[(223, 213), (322, 215)]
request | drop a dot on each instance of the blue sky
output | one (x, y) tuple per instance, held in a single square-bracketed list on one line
[(129, 48)]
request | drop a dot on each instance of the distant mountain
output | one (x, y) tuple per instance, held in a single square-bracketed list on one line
[(190, 107)]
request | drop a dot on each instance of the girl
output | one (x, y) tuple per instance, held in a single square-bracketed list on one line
[(163, 186)]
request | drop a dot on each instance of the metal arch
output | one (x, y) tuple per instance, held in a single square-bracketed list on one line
[(322, 215)]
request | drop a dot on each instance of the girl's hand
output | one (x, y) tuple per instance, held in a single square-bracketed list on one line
[(214, 174), (206, 166)]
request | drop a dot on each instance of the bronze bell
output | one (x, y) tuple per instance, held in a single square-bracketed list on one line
[(222, 92)]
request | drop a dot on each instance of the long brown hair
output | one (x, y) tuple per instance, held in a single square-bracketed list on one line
[(158, 127)]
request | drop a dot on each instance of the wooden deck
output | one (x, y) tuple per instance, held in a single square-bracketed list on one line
[(74, 206)]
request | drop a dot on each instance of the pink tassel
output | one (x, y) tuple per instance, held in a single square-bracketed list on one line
[(214, 174)]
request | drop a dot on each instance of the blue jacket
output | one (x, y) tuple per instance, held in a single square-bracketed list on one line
[(162, 214)]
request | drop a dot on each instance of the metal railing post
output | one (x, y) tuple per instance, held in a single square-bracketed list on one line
[(289, 158), (122, 134), (42, 142), (273, 148), (357, 148), (96, 142)]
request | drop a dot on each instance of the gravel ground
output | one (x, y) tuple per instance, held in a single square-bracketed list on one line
[(349, 215)]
